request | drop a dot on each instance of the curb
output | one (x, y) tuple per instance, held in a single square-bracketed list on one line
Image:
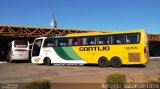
[(3, 61)]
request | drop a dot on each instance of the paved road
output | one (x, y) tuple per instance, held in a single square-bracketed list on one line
[(25, 72)]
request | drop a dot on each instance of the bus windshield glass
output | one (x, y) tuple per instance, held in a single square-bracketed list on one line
[(21, 43)]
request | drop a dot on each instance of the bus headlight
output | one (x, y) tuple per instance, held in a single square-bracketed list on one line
[(37, 60)]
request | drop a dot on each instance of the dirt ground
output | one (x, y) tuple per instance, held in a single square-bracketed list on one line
[(64, 76)]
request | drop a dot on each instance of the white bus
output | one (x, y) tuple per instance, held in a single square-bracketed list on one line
[(18, 50)]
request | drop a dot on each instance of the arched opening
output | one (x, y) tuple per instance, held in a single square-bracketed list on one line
[(4, 41)]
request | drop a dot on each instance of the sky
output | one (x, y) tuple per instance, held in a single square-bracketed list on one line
[(108, 15)]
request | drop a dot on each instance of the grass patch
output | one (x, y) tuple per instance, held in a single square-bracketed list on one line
[(39, 84), (114, 80)]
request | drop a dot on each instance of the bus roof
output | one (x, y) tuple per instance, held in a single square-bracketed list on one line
[(102, 33), (93, 34)]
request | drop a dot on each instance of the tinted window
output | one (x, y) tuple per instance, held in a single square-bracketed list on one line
[(20, 43), (62, 42), (74, 41), (88, 41), (118, 39), (104, 40), (49, 43), (133, 38), (37, 47)]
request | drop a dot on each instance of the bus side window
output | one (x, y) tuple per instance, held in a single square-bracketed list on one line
[(62, 42), (48, 43), (108, 40), (128, 40), (73, 41), (84, 41), (91, 40), (79, 40), (118, 39), (133, 38), (70, 41), (104, 40), (100, 42)]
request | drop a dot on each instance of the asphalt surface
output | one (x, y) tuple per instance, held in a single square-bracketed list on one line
[(25, 72)]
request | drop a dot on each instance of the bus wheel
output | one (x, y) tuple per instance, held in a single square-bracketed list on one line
[(47, 61), (116, 62), (103, 62)]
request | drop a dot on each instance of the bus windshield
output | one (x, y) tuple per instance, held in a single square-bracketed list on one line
[(21, 43)]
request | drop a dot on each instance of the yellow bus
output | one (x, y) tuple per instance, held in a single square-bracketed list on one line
[(105, 49)]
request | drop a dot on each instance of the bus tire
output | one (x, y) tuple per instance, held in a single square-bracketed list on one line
[(47, 61), (116, 62), (103, 62)]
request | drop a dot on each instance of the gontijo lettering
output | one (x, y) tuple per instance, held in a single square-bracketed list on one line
[(104, 48)]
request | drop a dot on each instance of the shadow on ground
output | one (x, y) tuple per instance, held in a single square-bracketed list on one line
[(95, 65)]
